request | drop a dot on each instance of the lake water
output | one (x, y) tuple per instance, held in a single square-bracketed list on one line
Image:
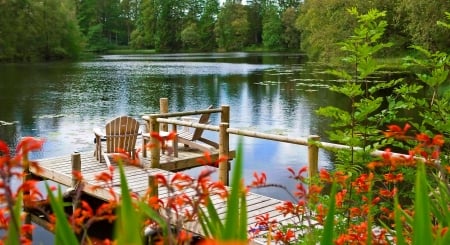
[(271, 93)]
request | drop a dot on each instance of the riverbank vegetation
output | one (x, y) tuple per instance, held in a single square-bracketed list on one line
[(60, 29)]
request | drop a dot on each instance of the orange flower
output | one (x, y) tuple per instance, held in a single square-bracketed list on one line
[(28, 144), (340, 198), (301, 192), (289, 208), (284, 236), (324, 175), (388, 193), (258, 180), (397, 132), (299, 174), (393, 178)]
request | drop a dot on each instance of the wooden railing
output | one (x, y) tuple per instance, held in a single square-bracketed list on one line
[(312, 142), (157, 122)]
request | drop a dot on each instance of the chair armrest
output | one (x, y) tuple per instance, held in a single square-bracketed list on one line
[(98, 132)]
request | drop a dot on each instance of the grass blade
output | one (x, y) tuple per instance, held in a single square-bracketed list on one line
[(14, 222), (63, 230), (127, 226), (422, 233), (232, 216), (328, 229)]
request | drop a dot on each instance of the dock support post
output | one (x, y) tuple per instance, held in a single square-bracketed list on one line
[(224, 153), (152, 186), (313, 155), (156, 145), (164, 108), (76, 170), (225, 114)]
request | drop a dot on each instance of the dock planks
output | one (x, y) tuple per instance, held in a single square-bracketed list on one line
[(59, 170)]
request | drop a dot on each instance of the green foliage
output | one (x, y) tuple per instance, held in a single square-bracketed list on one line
[(328, 233), (38, 30), (14, 221), (358, 127), (291, 36), (190, 37), (433, 73), (272, 29), (128, 228), (418, 20), (232, 27), (63, 230), (422, 220)]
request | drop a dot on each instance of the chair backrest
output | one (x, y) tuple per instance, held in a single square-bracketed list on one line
[(121, 133), (204, 119)]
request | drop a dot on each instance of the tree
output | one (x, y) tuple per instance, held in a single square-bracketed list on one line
[(34, 30), (129, 14), (256, 9), (418, 19), (272, 29), (324, 23), (169, 24), (144, 35), (291, 36), (206, 25), (232, 27)]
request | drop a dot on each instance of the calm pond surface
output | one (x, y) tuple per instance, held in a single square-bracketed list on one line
[(271, 93)]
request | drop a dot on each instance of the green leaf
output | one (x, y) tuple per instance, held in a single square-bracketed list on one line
[(328, 229), (233, 212), (398, 223), (155, 216), (128, 224), (13, 237), (211, 223), (63, 230), (422, 231)]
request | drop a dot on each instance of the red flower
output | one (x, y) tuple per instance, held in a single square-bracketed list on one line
[(397, 132), (393, 178), (258, 180), (299, 175)]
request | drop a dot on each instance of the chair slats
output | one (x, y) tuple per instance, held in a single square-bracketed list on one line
[(120, 133)]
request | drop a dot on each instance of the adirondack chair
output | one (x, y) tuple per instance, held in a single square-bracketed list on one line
[(193, 137), (190, 137), (120, 135)]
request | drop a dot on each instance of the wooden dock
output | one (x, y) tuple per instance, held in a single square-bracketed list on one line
[(59, 170)]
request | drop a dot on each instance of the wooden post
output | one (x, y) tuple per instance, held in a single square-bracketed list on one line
[(152, 186), (225, 114), (175, 140), (224, 153), (164, 108), (76, 167), (156, 145), (313, 155)]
